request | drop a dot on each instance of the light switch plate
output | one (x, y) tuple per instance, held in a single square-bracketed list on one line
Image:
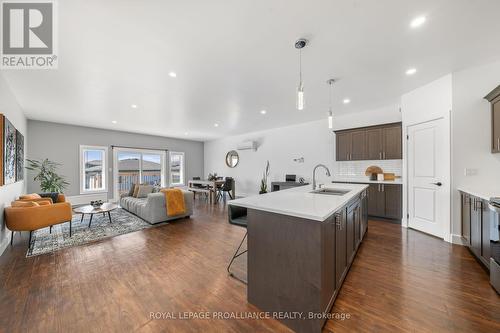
[(470, 172)]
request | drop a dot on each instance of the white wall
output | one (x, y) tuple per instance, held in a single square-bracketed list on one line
[(11, 109), (471, 134), (312, 140), (429, 102)]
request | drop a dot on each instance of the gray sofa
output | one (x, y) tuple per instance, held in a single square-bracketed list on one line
[(153, 209)]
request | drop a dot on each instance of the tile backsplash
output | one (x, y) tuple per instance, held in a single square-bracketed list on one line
[(357, 168)]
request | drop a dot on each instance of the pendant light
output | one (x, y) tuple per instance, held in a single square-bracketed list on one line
[(330, 113), (300, 44)]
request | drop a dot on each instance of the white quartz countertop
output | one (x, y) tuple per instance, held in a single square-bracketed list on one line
[(483, 193), (299, 202), (360, 180)]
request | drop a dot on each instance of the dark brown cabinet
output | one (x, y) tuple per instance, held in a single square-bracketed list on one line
[(351, 215), (393, 201), (392, 143), (385, 200), (329, 259), (358, 145), (475, 226), (340, 247), (494, 98), (374, 144), (466, 218), (343, 146), (383, 142)]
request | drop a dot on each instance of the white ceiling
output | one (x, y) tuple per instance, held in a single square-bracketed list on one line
[(235, 58)]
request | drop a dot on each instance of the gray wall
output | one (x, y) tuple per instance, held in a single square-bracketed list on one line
[(61, 143)]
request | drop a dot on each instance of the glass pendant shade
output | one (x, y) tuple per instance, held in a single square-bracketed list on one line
[(330, 120), (300, 96)]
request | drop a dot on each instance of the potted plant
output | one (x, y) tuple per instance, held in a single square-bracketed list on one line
[(263, 181), (49, 180)]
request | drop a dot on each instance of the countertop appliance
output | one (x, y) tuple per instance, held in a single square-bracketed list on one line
[(494, 206)]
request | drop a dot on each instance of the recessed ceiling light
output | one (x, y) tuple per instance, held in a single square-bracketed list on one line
[(263, 111), (347, 101), (216, 125), (186, 133), (133, 106), (417, 21), (172, 74), (411, 71), (114, 121)]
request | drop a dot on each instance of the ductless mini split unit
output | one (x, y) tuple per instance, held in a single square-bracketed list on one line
[(247, 145)]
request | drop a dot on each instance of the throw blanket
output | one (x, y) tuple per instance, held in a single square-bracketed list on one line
[(174, 199)]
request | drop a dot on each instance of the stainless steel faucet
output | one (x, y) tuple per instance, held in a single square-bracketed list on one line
[(314, 173)]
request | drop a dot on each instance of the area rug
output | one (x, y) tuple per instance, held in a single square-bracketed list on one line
[(123, 222)]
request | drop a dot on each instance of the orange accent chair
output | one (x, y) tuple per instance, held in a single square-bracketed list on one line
[(32, 212)]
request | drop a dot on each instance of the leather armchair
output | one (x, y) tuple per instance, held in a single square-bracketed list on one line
[(43, 213)]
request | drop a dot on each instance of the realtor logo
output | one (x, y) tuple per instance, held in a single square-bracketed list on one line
[(28, 35)]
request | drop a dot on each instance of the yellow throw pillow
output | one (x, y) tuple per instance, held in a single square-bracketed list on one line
[(30, 196), (24, 204), (136, 190)]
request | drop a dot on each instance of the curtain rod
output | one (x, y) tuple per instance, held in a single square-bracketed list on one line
[(112, 146)]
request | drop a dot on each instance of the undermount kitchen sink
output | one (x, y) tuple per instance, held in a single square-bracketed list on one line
[(331, 191)]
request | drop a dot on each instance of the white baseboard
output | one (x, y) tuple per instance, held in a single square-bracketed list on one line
[(84, 199), (457, 239)]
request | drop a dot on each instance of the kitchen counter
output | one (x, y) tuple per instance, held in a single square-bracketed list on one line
[(299, 202), (300, 248), (484, 194), (360, 180)]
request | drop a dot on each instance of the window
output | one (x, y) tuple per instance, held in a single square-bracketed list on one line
[(137, 166), (93, 165), (176, 166)]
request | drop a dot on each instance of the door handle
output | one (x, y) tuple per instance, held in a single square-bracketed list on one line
[(438, 183), (498, 143)]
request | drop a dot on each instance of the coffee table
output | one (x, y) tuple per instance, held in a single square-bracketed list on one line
[(105, 208)]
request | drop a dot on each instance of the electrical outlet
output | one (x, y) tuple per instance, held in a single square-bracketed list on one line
[(470, 172)]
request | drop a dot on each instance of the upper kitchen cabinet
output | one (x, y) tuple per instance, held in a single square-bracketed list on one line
[(382, 142), (392, 146), (494, 98), (344, 144)]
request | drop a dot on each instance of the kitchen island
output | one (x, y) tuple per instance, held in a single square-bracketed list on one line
[(301, 244)]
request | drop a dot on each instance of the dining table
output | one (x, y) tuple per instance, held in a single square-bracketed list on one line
[(208, 186)]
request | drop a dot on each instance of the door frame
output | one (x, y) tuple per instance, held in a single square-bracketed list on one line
[(447, 178), (116, 150)]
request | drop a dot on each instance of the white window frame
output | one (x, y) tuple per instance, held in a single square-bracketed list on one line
[(84, 148), (163, 161), (183, 168)]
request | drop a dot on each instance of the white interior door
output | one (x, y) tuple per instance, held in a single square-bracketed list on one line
[(428, 177)]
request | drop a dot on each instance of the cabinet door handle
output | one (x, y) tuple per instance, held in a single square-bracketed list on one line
[(380, 155), (498, 143), (383, 188), (383, 155)]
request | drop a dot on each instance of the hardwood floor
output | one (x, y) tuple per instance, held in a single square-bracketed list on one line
[(401, 281)]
